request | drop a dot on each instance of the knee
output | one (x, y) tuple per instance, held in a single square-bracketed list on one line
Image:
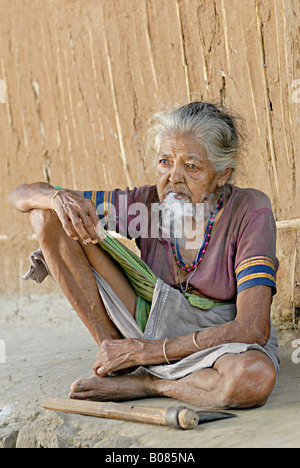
[(43, 222), (249, 384)]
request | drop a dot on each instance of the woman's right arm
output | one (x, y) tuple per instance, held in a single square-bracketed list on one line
[(28, 197), (77, 214)]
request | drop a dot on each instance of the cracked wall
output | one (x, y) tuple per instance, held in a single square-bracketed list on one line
[(83, 77)]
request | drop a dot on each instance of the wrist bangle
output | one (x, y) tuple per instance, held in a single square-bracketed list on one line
[(164, 351), (195, 342)]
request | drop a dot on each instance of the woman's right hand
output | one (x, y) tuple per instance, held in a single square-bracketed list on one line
[(78, 216)]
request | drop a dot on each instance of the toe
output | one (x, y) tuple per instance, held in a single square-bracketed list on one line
[(88, 395), (83, 385), (76, 386), (76, 396)]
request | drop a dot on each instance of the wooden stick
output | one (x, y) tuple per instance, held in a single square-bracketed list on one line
[(180, 417)]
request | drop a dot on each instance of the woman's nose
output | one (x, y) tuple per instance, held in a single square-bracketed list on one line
[(176, 174)]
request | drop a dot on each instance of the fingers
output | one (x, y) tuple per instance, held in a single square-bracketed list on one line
[(100, 231), (116, 355), (96, 367), (78, 216), (92, 224), (102, 370), (85, 227), (77, 229), (105, 362), (81, 226), (93, 215), (97, 225), (68, 227)]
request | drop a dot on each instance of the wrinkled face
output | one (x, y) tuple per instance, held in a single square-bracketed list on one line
[(183, 167)]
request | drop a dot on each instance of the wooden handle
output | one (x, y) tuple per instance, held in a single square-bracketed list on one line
[(184, 418), (188, 419)]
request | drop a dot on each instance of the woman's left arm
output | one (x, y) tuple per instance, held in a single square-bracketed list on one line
[(251, 325)]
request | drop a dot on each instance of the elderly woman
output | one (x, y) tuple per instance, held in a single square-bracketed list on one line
[(205, 335)]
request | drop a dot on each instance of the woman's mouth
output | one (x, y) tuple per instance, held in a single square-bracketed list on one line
[(180, 196), (176, 196)]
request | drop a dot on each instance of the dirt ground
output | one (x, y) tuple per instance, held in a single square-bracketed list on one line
[(47, 348)]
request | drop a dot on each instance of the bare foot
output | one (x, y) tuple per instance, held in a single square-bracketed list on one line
[(111, 388)]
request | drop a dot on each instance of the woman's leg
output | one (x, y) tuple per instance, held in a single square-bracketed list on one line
[(243, 380), (236, 381), (70, 265)]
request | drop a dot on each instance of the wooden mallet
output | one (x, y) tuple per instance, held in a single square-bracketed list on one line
[(177, 417)]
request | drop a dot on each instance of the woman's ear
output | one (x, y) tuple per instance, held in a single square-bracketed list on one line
[(224, 176)]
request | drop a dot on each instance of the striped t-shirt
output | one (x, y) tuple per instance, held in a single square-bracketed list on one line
[(241, 252)]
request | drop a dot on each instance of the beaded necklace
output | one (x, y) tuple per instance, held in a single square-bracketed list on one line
[(202, 250)]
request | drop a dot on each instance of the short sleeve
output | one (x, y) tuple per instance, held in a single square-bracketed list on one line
[(104, 203), (255, 261), (124, 211)]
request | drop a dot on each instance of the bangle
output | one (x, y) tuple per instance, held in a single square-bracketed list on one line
[(164, 351), (195, 342), (53, 196)]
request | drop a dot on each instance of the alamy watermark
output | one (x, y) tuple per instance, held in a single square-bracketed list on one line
[(296, 93), (2, 352), (296, 353), (175, 218), (3, 90)]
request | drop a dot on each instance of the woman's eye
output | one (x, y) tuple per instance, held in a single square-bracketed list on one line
[(163, 162), (192, 166)]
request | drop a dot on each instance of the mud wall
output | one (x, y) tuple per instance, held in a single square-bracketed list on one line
[(80, 78)]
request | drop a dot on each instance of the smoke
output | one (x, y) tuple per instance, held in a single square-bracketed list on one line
[(182, 220)]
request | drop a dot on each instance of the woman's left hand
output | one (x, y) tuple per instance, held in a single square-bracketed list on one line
[(115, 355)]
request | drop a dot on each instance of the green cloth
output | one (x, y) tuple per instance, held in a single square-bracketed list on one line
[(143, 280)]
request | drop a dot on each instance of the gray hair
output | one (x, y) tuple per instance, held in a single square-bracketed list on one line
[(213, 125)]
